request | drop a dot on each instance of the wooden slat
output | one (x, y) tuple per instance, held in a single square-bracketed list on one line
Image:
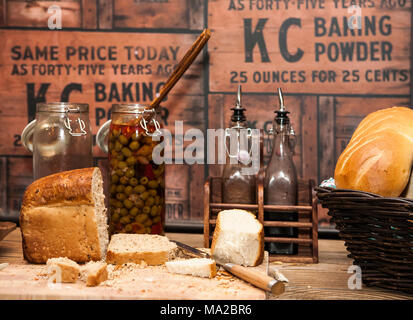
[(89, 14), (288, 240), (326, 129), (105, 14)]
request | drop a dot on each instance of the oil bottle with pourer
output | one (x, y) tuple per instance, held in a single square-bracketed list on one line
[(238, 187), (280, 182)]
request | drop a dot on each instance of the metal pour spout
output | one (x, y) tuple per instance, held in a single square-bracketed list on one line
[(281, 99)]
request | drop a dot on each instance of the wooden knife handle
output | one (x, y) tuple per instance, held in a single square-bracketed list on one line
[(258, 279)]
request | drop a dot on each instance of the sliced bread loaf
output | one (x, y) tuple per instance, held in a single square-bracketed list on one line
[(64, 215), (62, 270), (238, 238), (135, 248), (199, 267)]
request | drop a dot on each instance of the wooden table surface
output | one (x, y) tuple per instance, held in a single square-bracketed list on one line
[(325, 280)]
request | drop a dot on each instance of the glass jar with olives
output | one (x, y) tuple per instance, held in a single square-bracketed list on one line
[(137, 184)]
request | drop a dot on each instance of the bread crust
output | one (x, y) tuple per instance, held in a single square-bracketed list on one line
[(57, 218), (379, 156), (68, 187)]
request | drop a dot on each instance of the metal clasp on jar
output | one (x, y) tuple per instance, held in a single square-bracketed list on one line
[(144, 125), (81, 123)]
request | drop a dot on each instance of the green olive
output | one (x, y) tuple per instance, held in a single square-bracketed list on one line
[(128, 204), (122, 165), (130, 173), (146, 209), (133, 182), (152, 192), (135, 136), (128, 190), (124, 180), (115, 133), (156, 219), (157, 172), (157, 200), (126, 152), (114, 178), (147, 223), (134, 145), (112, 189), (139, 203), (128, 228), (119, 172), (114, 162), (134, 211), (124, 212), (115, 217), (125, 220), (120, 157), (144, 180), (154, 211), (139, 189), (131, 161), (123, 140), (120, 188), (111, 145), (150, 201), (153, 184), (112, 202), (141, 218), (118, 146), (144, 195), (120, 196), (111, 137), (118, 204)]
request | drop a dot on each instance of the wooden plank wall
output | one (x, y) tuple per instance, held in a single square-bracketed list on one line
[(259, 44)]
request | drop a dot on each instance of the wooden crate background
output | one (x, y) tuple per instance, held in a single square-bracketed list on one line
[(324, 115)]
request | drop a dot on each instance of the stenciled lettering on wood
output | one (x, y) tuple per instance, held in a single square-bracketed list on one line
[(311, 46)]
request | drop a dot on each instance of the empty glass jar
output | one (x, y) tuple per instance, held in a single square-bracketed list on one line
[(60, 138)]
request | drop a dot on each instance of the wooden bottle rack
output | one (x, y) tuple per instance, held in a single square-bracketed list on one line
[(307, 223)]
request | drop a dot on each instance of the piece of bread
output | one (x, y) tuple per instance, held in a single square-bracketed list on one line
[(198, 267), (62, 270), (64, 215), (95, 273), (379, 156), (238, 238), (135, 248)]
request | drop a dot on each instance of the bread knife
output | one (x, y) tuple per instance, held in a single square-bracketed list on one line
[(258, 279)]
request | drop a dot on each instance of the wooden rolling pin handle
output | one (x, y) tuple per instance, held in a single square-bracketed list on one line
[(258, 279)]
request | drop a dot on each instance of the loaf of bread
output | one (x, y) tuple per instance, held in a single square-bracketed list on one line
[(62, 270), (238, 238), (137, 248), (198, 267), (379, 156), (64, 215)]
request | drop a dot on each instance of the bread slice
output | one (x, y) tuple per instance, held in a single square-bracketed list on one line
[(95, 273), (238, 238), (62, 270), (135, 248), (198, 267), (64, 215)]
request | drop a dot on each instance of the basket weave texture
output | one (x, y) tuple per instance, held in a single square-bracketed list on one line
[(378, 233)]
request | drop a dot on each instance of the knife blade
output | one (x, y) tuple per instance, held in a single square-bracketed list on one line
[(258, 279)]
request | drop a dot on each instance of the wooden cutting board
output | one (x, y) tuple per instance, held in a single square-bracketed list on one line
[(6, 228), (27, 281)]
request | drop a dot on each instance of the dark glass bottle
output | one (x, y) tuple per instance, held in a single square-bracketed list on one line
[(237, 187), (280, 183)]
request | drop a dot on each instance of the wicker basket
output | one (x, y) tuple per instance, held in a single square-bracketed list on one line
[(378, 233)]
